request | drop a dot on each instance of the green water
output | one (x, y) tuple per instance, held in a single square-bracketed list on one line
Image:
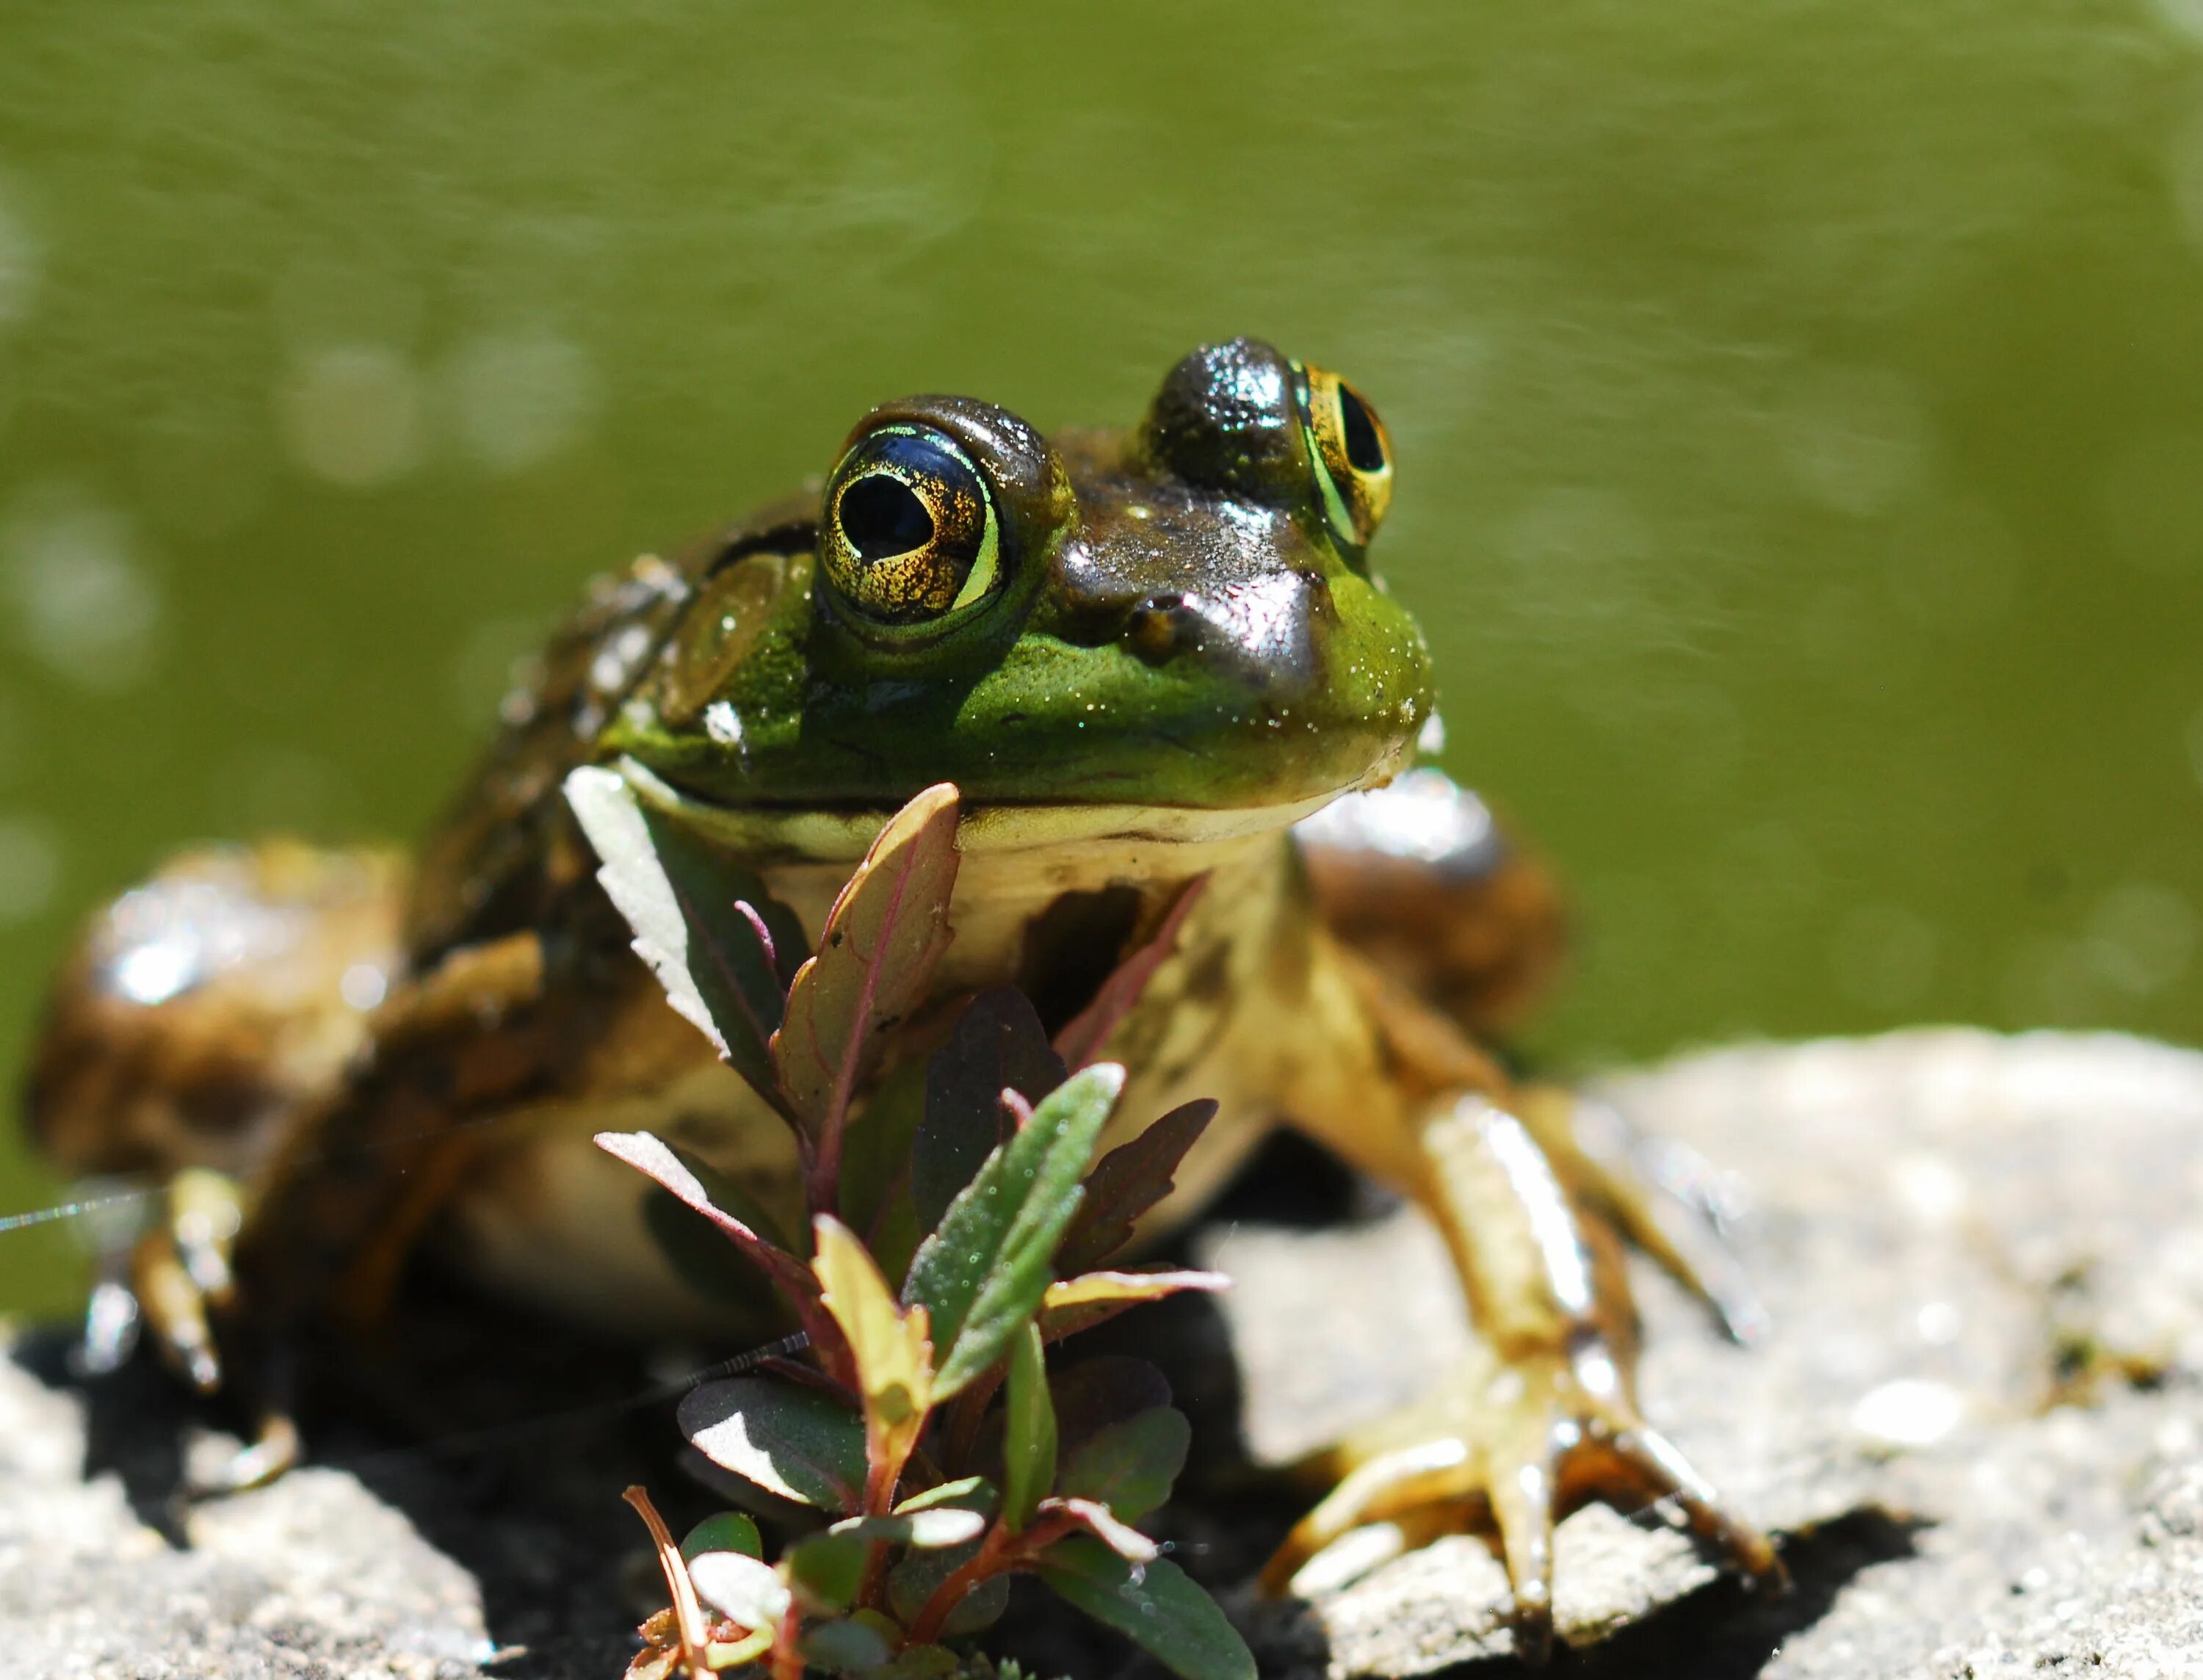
[(1799, 408)]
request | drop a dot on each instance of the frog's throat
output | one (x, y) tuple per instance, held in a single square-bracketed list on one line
[(768, 835)]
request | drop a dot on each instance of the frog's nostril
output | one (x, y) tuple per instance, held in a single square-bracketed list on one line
[(1160, 627)]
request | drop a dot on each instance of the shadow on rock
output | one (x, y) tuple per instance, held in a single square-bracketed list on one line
[(1727, 1631), (136, 1420)]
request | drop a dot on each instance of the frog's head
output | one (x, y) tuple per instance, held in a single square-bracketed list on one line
[(1179, 617)]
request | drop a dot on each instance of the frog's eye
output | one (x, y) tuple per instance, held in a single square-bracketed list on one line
[(909, 532), (1352, 452)]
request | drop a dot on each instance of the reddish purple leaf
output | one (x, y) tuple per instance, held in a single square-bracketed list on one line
[(876, 959), (1082, 1038), (655, 1159), (1126, 1182)]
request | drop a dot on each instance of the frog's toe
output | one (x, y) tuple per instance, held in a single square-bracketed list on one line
[(276, 1450), (1506, 1457), (1660, 1194), (174, 1307), (1622, 1461), (181, 1272)]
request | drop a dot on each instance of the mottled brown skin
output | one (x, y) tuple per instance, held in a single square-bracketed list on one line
[(1342, 988), (214, 1075)]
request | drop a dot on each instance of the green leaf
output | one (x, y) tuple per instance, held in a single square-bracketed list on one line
[(1126, 1182), (698, 1246), (828, 1568), (969, 1493), (928, 1530), (922, 1662), (742, 1588), (1156, 1608), (889, 1344), (1129, 1466), (729, 1531), (1128, 1288), (982, 1273), (876, 1155), (1028, 1432), (1101, 1390), (1085, 1035), (797, 1442), (850, 1646), (913, 1580), (876, 959), (998, 1043), (678, 892)]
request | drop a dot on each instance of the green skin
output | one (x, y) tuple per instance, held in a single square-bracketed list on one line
[(1221, 647)]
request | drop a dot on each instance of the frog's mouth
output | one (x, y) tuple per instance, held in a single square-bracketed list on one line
[(774, 835)]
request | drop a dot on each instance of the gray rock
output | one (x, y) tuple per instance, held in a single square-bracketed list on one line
[(1960, 1238), (1969, 1246), (315, 1576)]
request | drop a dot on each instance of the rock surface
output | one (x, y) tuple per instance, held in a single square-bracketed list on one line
[(1974, 1424), (1951, 1231)]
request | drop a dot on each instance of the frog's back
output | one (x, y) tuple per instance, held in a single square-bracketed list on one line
[(507, 851), (207, 1013)]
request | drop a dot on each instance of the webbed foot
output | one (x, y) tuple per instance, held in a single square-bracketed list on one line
[(1506, 1450)]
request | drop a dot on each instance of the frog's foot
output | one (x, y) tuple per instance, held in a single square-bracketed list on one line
[(181, 1274), (1506, 1452), (183, 1279), (1663, 1196)]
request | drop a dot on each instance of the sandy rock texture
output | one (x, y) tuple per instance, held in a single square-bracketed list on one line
[(1976, 1418), (1974, 1423), (316, 1577)]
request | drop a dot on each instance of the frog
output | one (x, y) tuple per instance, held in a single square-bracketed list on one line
[(1146, 656)]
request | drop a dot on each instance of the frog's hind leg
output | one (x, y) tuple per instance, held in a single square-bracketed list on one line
[(204, 1009), (203, 1015)]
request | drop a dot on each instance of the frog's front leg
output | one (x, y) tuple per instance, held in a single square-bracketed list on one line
[(1543, 1417), (1419, 880)]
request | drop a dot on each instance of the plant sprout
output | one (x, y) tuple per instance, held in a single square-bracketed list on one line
[(940, 1449)]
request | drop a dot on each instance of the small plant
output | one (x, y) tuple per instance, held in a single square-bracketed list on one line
[(941, 1450)]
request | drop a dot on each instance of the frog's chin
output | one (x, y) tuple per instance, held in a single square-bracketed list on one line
[(771, 834)]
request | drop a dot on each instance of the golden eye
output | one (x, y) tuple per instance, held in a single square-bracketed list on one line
[(1353, 454), (909, 533)]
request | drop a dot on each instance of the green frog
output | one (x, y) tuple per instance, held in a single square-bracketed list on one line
[(1144, 656)]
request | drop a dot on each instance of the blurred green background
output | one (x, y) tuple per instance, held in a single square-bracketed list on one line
[(1799, 408)]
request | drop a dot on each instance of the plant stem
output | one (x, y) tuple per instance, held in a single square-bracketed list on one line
[(688, 1613), (984, 1564), (998, 1555), (787, 1660)]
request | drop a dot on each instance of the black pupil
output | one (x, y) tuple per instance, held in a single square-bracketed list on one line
[(1364, 453), (882, 517)]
